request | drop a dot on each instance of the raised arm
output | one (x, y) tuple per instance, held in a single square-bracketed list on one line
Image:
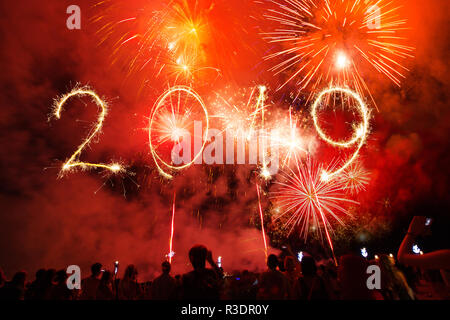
[(434, 260), (213, 264)]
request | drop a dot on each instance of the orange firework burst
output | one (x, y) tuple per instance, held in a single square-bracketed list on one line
[(327, 41), (178, 39), (149, 39)]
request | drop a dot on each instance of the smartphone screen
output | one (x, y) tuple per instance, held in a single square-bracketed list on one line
[(116, 267)]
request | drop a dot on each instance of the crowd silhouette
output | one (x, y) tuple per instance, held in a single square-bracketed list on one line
[(410, 277)]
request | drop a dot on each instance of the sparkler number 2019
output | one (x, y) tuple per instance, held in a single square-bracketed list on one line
[(175, 126)]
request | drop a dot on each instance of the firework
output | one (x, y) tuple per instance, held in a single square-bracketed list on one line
[(327, 41), (245, 112), (171, 117), (287, 137), (244, 120), (261, 216), (241, 118), (148, 39), (305, 200), (260, 107), (355, 178), (74, 161), (178, 39), (172, 228), (361, 131)]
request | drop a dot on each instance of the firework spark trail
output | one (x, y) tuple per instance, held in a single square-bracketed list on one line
[(259, 108), (304, 200), (360, 133), (325, 41), (74, 161), (261, 216), (172, 228)]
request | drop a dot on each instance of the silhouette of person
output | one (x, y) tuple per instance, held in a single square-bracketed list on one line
[(353, 278), (15, 289), (89, 286), (201, 283), (36, 290), (129, 288), (273, 283), (60, 291), (291, 274), (105, 288), (310, 286), (164, 286)]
